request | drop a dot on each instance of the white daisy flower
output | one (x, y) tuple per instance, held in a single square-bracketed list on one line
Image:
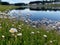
[(12, 24), (34, 26), (32, 32), (20, 28), (38, 32), (13, 34), (3, 36), (13, 30), (20, 34), (45, 36), (54, 40), (47, 31), (19, 25), (51, 41)]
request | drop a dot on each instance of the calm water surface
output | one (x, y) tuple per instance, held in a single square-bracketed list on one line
[(36, 15)]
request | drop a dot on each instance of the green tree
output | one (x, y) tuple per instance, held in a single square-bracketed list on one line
[(0, 1)]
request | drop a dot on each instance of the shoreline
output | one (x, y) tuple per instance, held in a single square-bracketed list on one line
[(7, 7)]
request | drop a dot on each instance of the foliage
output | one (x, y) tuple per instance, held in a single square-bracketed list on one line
[(28, 35), (5, 3), (7, 7)]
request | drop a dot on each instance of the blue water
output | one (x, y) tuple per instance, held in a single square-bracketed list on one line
[(37, 15)]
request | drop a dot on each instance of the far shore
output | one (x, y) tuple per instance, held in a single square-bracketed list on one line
[(7, 7)]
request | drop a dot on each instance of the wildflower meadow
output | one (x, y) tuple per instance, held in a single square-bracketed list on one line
[(14, 32)]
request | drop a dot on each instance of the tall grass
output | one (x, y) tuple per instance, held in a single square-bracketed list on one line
[(7, 7), (30, 35)]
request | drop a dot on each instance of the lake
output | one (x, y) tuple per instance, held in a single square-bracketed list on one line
[(35, 15), (49, 18)]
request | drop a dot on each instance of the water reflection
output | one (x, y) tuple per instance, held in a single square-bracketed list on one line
[(20, 8), (36, 15), (37, 9), (49, 19)]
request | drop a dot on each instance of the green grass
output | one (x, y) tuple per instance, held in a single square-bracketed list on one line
[(7, 7), (52, 5), (27, 37)]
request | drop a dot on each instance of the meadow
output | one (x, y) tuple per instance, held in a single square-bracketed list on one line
[(14, 32), (7, 7)]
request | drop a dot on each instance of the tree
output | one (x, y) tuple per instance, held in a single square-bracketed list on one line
[(19, 4), (4, 3), (0, 0)]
